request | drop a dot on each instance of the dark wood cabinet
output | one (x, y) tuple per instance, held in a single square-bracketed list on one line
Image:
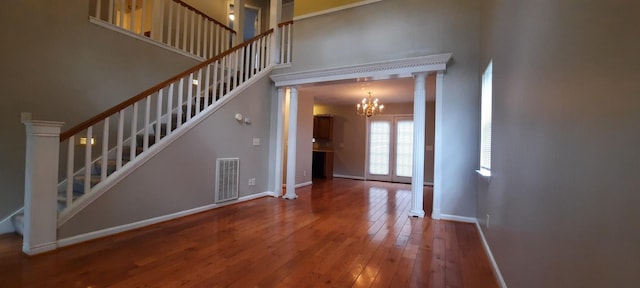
[(323, 127)]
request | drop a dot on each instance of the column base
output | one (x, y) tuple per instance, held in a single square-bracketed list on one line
[(416, 213), (290, 196)]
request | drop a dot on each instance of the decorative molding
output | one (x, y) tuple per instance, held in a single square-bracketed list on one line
[(127, 227), (115, 28), (304, 184), (457, 218), (119, 175), (378, 70), (494, 264), (336, 9), (348, 177), (6, 225)]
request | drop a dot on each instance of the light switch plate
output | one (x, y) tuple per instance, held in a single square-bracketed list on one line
[(256, 141)]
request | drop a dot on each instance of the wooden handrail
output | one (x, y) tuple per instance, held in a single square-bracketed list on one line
[(204, 15), (285, 23), (115, 109)]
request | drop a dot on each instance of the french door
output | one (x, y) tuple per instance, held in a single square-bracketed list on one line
[(390, 148)]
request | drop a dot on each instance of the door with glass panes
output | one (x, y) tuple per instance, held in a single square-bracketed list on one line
[(390, 148)]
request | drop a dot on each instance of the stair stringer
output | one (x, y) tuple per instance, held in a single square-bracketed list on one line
[(116, 177)]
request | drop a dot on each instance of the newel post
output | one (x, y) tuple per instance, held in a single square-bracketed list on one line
[(40, 182)]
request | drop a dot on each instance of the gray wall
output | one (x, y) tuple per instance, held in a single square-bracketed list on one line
[(395, 29), (564, 191), (181, 177), (61, 67)]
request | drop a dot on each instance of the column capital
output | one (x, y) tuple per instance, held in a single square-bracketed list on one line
[(420, 74)]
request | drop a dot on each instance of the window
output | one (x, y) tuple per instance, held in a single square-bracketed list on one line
[(485, 121)]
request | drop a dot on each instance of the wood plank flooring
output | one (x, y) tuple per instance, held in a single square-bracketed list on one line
[(338, 233)]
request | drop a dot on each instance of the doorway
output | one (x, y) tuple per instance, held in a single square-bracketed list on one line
[(390, 148), (252, 21)]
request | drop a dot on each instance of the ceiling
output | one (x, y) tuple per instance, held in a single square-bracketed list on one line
[(352, 91)]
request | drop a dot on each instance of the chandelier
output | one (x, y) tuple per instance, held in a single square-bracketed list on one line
[(369, 107)]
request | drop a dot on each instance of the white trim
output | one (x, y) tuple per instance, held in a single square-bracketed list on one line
[(119, 175), (428, 184), (6, 225), (304, 184), (127, 227), (457, 218), (494, 264), (437, 148), (484, 174), (40, 248), (336, 9), (348, 177), (115, 28), (379, 70)]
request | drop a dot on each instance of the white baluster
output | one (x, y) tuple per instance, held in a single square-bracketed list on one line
[(134, 133), (159, 116), (121, 24), (222, 71), (119, 139), (132, 20), (185, 27), (207, 74), (199, 90), (235, 69), (228, 57), (98, 9), (247, 60), (178, 23), (212, 41), (111, 8), (70, 160), (205, 36), (282, 48), (217, 42), (169, 109), (215, 82), (87, 161), (192, 34), (254, 58), (147, 112), (180, 94), (241, 67), (105, 149), (289, 43), (170, 25), (142, 19), (189, 96)]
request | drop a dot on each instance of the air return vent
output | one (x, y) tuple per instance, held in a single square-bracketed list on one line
[(227, 179)]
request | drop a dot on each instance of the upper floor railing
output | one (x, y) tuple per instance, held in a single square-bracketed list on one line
[(171, 22)]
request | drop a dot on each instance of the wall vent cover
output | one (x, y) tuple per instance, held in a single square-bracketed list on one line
[(227, 179)]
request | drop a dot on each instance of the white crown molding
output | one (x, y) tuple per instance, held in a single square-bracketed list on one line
[(336, 9), (378, 70)]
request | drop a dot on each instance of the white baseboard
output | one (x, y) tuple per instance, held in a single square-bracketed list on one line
[(42, 248), (122, 228), (458, 218), (6, 226), (348, 177), (494, 265), (303, 184)]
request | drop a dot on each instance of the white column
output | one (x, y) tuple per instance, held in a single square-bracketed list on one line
[(275, 16), (277, 189), (291, 144), (419, 111), (40, 185), (437, 149)]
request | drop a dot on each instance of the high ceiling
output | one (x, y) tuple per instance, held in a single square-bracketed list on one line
[(352, 91)]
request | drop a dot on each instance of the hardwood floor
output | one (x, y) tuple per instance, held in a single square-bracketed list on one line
[(340, 233)]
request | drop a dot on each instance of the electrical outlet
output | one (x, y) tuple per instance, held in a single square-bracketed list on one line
[(252, 181), (256, 141), (488, 220)]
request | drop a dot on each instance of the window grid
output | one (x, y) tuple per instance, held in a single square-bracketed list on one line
[(404, 148), (379, 145)]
